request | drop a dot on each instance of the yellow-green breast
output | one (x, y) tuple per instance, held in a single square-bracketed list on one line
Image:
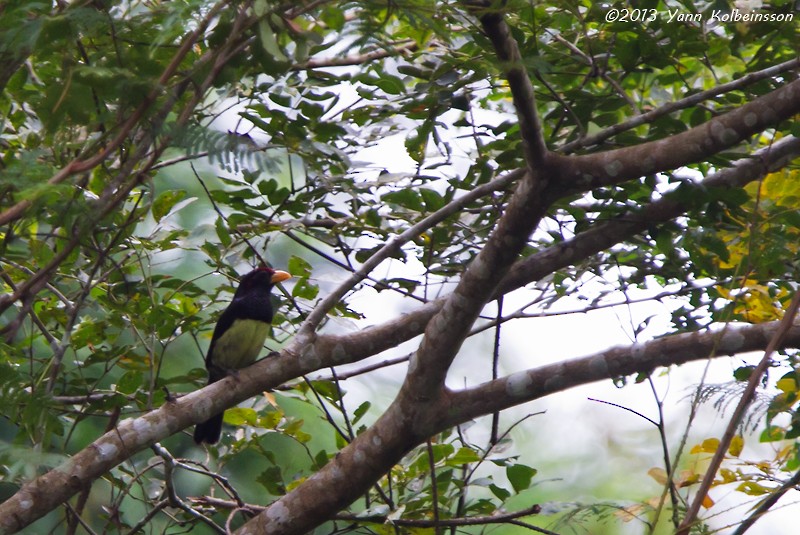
[(241, 344)]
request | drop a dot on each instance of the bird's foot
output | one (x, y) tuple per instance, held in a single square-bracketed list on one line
[(232, 372), (220, 372)]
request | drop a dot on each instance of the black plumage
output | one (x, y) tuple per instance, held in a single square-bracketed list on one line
[(239, 336)]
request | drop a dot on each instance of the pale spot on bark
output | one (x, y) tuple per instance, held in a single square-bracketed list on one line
[(599, 366), (278, 512), (142, 426), (106, 450), (555, 382), (731, 341), (412, 363), (25, 503), (359, 456), (638, 350), (613, 168), (310, 355), (722, 133), (480, 269), (338, 353), (517, 384)]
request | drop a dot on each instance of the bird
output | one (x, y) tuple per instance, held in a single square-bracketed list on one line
[(239, 337)]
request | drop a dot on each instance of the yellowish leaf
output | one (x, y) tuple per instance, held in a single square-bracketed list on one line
[(270, 397), (659, 474), (728, 476), (757, 305), (294, 484), (626, 514), (737, 444), (751, 488), (782, 188), (787, 384), (688, 477), (709, 445), (785, 452)]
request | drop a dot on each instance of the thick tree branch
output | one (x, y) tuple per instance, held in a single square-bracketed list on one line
[(605, 235), (615, 362), (666, 109), (507, 51), (585, 172), (372, 340), (409, 419), (736, 418)]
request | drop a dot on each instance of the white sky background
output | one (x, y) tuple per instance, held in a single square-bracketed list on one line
[(577, 444), (595, 441)]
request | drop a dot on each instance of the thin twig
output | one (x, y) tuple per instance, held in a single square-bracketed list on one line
[(748, 395), (394, 244), (403, 522), (434, 487), (767, 504), (359, 59), (652, 115)]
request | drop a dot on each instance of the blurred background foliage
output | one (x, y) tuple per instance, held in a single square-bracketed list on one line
[(152, 151)]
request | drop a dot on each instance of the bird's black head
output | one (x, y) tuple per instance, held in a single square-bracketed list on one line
[(263, 278)]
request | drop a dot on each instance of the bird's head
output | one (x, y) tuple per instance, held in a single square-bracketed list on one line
[(262, 277)]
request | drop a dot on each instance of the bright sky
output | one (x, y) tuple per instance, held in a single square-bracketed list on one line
[(595, 443)]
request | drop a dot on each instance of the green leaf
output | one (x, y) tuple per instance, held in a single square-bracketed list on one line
[(372, 218), (222, 232), (239, 416), (361, 411), (520, 476), (293, 429), (417, 142), (772, 433), (390, 84), (256, 120), (298, 267), (751, 488), (272, 480), (463, 456), (501, 493), (441, 451), (268, 40), (270, 419), (333, 17), (321, 459), (433, 201), (743, 373), (130, 382), (164, 203), (304, 289), (407, 198)]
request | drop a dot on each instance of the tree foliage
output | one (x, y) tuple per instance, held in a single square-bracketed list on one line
[(551, 156)]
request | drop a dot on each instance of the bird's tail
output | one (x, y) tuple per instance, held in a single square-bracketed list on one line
[(209, 431)]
